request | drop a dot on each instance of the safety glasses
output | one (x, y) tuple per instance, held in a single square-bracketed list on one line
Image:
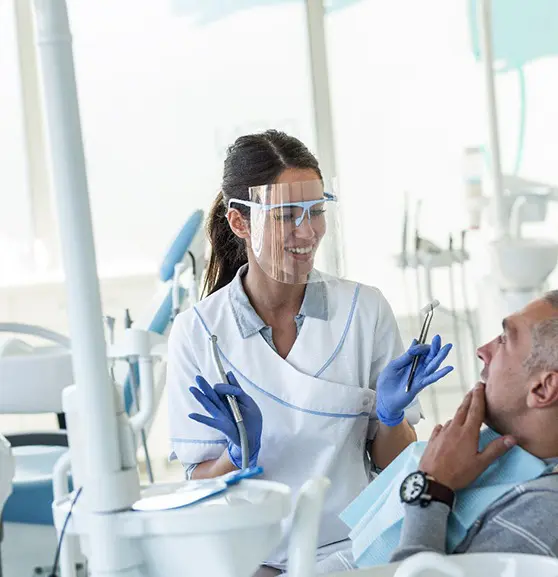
[(285, 209)]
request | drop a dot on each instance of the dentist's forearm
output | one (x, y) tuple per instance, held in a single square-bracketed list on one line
[(390, 441), (214, 468)]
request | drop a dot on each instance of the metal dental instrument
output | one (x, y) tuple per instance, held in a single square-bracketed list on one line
[(429, 311), (233, 405)]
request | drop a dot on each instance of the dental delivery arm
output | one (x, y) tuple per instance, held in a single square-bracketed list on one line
[(389, 442)]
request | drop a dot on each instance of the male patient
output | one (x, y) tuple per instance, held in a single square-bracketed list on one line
[(518, 398)]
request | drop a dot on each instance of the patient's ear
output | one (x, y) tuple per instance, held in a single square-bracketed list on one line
[(238, 224), (543, 391)]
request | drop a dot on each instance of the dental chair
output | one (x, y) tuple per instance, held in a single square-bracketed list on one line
[(7, 470), (31, 382), (32, 379)]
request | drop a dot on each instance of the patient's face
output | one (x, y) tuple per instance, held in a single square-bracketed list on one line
[(506, 378)]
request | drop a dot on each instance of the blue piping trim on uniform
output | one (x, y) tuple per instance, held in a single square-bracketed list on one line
[(273, 397), (344, 335), (198, 441)]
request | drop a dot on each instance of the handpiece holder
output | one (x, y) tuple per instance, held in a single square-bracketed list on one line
[(429, 310)]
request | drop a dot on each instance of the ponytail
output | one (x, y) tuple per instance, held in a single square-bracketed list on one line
[(228, 252)]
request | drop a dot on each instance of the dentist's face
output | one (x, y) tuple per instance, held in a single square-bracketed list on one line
[(285, 238)]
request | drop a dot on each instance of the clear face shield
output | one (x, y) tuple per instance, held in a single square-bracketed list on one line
[(287, 224)]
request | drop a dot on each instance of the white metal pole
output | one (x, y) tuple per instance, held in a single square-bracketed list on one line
[(108, 486), (484, 9), (76, 233), (323, 121)]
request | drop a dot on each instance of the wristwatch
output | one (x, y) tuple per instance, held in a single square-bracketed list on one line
[(418, 488)]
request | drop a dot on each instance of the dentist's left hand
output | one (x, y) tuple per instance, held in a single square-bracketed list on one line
[(214, 401), (391, 396)]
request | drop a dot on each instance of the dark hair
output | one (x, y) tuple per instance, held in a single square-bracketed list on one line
[(253, 160)]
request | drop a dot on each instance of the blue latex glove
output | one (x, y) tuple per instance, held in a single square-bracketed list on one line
[(214, 401), (391, 396)]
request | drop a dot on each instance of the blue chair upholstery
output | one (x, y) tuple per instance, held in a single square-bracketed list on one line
[(181, 245), (35, 456)]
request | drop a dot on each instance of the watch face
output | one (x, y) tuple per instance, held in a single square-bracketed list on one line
[(412, 487)]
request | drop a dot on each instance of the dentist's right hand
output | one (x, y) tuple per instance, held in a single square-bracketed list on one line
[(214, 401)]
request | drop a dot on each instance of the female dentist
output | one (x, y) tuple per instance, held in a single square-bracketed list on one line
[(316, 363)]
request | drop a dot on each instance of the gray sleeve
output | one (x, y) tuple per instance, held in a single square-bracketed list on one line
[(424, 529), (526, 524)]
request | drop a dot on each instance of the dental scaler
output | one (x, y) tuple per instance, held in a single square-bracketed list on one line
[(428, 310)]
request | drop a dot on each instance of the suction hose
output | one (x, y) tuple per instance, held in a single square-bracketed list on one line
[(244, 449)]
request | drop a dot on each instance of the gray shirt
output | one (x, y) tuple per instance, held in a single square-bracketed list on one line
[(521, 521)]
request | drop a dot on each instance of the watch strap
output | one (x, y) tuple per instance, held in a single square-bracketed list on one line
[(437, 492)]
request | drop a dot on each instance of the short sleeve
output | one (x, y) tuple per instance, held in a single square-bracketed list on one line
[(191, 442)]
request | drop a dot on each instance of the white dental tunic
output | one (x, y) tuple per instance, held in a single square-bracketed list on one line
[(318, 404)]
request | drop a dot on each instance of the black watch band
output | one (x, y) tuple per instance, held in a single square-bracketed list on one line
[(437, 492)]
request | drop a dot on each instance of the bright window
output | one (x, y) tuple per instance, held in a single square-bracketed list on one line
[(15, 216), (162, 93)]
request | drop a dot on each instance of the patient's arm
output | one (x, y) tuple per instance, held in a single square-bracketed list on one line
[(424, 529), (522, 521)]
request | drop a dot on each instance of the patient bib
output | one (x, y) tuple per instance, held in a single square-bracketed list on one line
[(376, 515)]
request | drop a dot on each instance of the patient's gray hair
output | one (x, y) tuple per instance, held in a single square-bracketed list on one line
[(544, 352)]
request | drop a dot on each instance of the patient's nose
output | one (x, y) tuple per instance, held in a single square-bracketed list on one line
[(483, 353), (486, 352)]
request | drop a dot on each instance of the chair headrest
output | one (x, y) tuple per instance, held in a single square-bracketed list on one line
[(180, 245)]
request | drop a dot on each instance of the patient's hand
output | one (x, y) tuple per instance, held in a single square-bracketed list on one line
[(452, 455)]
